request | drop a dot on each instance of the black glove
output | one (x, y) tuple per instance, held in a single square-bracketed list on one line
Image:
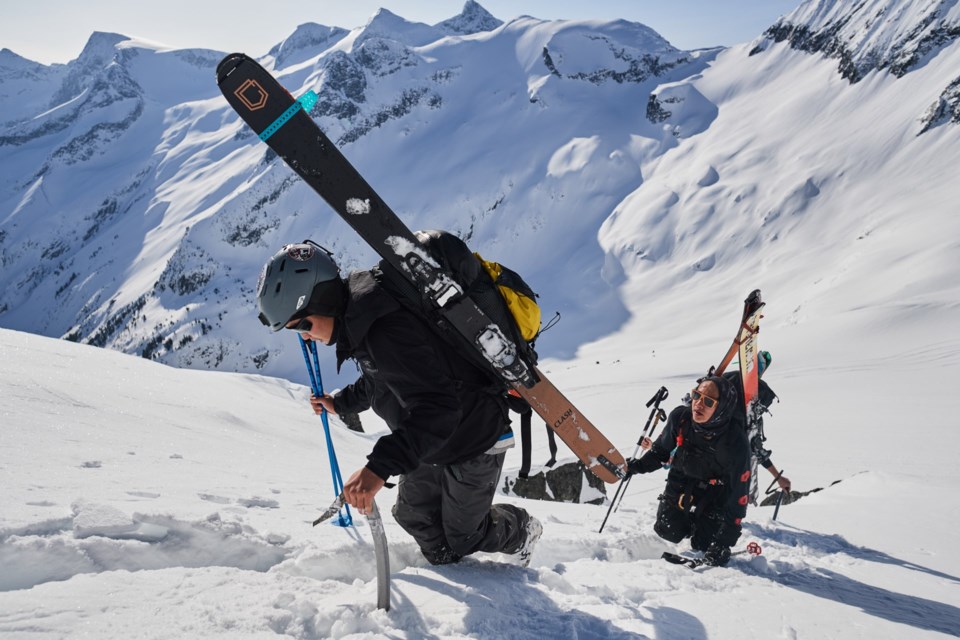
[(635, 466), (717, 556)]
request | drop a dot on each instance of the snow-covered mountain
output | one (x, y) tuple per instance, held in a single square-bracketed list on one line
[(620, 175), (643, 190), (136, 208)]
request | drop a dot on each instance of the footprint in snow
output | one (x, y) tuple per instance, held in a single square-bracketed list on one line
[(256, 501)]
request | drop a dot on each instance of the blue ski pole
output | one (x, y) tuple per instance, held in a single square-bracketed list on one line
[(316, 384)]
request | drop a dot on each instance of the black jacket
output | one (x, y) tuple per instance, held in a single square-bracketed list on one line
[(714, 466), (440, 408)]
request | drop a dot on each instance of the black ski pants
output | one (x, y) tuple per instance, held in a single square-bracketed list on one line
[(697, 519), (449, 510)]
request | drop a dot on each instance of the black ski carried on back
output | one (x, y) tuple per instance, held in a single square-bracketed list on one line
[(284, 124), (454, 256)]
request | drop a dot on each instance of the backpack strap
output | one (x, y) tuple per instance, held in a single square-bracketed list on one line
[(552, 441), (525, 445), (518, 405)]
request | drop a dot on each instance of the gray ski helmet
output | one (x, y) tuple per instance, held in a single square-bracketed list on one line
[(299, 280)]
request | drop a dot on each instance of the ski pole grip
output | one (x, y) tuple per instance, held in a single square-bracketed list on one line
[(659, 396)]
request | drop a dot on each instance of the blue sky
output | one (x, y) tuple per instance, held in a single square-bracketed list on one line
[(56, 30)]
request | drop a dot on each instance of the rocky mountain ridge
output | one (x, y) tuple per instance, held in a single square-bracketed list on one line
[(136, 210)]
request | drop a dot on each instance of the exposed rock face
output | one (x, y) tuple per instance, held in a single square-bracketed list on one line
[(473, 19), (569, 482), (870, 35), (945, 109)]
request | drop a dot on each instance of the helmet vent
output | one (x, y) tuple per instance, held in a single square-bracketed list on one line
[(302, 270)]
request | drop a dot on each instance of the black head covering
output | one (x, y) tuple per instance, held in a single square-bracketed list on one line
[(728, 404)]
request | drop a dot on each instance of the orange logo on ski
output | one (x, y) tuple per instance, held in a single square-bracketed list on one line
[(252, 95)]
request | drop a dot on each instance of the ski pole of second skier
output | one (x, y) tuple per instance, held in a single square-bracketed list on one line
[(656, 414), (776, 509)]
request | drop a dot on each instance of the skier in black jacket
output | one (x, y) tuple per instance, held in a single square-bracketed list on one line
[(449, 428), (709, 480)]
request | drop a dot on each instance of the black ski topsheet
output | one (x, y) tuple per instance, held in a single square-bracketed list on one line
[(283, 124)]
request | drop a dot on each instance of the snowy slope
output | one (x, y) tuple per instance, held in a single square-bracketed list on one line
[(817, 163), (146, 501)]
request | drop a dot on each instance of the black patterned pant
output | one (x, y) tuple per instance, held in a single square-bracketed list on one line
[(449, 510), (698, 521)]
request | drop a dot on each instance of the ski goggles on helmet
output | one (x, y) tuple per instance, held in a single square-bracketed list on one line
[(707, 401)]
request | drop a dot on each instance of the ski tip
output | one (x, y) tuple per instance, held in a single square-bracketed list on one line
[(229, 64), (673, 558)]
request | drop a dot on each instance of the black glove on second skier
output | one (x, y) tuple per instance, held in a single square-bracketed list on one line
[(717, 556), (646, 464)]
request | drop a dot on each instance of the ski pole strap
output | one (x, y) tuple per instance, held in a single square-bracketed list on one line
[(552, 442), (305, 102), (770, 488), (659, 396), (316, 367), (525, 444), (310, 372)]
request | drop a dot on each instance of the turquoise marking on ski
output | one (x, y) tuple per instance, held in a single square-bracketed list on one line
[(305, 102)]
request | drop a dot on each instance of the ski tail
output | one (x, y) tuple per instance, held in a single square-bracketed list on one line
[(751, 306)]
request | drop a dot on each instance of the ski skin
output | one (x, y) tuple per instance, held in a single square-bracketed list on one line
[(260, 101)]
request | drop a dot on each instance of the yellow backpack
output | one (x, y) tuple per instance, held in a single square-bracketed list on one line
[(520, 298)]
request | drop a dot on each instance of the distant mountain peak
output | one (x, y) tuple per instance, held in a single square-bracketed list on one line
[(389, 25), (12, 61), (386, 19), (892, 35), (308, 39), (473, 19), (101, 46)]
